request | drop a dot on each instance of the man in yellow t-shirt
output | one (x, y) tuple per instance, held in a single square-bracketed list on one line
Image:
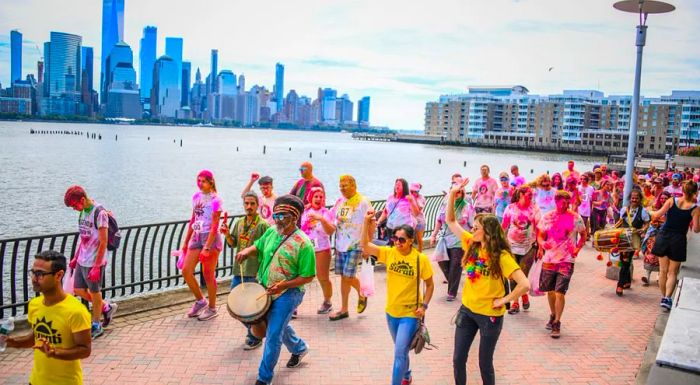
[(60, 324)]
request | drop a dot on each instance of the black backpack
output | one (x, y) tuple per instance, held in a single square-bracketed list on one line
[(114, 237)]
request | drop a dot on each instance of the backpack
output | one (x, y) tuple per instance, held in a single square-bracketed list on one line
[(114, 237)]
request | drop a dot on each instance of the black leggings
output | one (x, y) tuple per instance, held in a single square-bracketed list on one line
[(625, 273), (489, 328), (452, 269)]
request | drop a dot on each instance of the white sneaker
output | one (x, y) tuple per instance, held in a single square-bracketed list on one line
[(208, 314)]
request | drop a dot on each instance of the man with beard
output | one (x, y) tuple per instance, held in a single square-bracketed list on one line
[(60, 324), (302, 188), (245, 231), (267, 197), (287, 263)]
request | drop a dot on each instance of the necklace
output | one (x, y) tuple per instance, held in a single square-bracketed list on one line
[(474, 266)]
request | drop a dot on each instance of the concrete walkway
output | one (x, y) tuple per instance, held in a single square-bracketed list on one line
[(603, 341)]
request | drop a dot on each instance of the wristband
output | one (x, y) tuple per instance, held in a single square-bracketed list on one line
[(425, 306)]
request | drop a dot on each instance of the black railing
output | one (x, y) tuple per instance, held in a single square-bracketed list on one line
[(142, 263)]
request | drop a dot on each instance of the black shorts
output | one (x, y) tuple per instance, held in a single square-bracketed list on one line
[(671, 245), (556, 276)]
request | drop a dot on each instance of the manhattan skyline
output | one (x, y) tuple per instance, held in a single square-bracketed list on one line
[(400, 54)]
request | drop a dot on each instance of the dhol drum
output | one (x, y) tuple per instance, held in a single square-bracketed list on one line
[(249, 303), (617, 239)]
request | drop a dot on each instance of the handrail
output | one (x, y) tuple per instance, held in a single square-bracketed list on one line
[(141, 264)]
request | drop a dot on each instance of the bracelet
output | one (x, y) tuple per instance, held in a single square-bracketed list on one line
[(425, 306)]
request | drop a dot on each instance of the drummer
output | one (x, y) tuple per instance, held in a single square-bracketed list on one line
[(287, 263), (637, 217), (246, 230)]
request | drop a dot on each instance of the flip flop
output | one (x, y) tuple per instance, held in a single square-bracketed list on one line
[(339, 316)]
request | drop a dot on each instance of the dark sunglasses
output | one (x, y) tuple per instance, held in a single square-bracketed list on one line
[(400, 240), (279, 216), (40, 273), (504, 179)]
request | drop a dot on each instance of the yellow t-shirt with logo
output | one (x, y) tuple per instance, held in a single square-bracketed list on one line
[(401, 280), (57, 323), (480, 288)]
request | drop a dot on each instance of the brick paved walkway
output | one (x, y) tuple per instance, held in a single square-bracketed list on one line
[(603, 341)]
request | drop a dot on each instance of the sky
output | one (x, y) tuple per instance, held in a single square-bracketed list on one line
[(400, 53)]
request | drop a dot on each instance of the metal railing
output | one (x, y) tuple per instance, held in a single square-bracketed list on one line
[(141, 264)]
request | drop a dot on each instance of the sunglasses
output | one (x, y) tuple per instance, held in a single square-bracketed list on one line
[(40, 273), (400, 240), (504, 179), (279, 216), (302, 169)]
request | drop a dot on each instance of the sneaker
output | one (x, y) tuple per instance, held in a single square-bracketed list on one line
[(361, 304), (645, 281), (325, 308), (96, 330), (258, 382), (295, 360), (666, 303), (556, 330), (252, 344), (109, 314), (197, 308), (514, 308), (208, 314), (551, 321), (526, 302), (618, 291), (294, 314), (450, 297), (407, 381)]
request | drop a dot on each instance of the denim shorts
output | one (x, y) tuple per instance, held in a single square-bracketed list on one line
[(199, 239), (346, 262)]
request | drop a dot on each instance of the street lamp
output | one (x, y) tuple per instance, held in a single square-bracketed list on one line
[(643, 8)]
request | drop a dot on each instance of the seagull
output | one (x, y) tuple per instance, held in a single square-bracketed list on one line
[(550, 69)]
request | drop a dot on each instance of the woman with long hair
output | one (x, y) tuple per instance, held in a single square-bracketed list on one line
[(600, 203), (203, 244), (489, 262), (420, 218), (400, 208), (671, 243), (557, 181), (520, 224), (651, 261), (318, 224), (405, 302), (544, 194)]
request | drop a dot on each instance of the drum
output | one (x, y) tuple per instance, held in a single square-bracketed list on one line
[(249, 303), (622, 239)]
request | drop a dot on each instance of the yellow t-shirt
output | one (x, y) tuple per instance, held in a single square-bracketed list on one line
[(57, 323), (480, 289), (401, 280)]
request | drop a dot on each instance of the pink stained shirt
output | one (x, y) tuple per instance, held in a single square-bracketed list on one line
[(204, 206), (314, 228)]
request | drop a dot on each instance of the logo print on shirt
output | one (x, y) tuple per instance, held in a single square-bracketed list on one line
[(43, 329), (403, 268)]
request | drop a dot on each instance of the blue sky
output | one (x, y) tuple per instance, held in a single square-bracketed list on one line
[(401, 53)]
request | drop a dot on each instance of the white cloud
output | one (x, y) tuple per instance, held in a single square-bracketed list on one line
[(400, 53)]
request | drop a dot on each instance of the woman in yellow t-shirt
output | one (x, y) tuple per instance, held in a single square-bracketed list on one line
[(405, 266), (488, 263)]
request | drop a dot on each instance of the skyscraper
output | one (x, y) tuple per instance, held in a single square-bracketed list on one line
[(363, 111), (112, 31), (279, 86), (173, 49), (147, 58), (329, 96), (123, 98), (185, 85), (121, 53), (214, 70), (15, 56), (87, 67), (62, 63), (165, 94)]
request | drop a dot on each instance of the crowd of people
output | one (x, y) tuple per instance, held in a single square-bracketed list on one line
[(491, 233)]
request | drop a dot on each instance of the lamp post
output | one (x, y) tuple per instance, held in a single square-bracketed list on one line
[(643, 8)]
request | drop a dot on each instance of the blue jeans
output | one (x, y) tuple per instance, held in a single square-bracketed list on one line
[(402, 331), (280, 332), (235, 281)]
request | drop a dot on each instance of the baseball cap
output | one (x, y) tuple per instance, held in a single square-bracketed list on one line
[(676, 176), (414, 187), (265, 180)]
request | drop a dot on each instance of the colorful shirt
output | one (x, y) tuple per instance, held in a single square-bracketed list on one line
[(544, 199), (313, 228), (265, 206), (349, 216), (88, 225), (561, 230), (566, 174), (485, 192), (675, 192), (302, 189), (522, 227), (402, 295), (586, 194), (398, 212), (517, 181), (503, 197), (601, 199), (464, 214), (420, 218), (57, 324), (295, 258), (244, 234), (480, 287), (204, 206)]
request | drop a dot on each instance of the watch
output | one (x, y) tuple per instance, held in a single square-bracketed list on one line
[(425, 305)]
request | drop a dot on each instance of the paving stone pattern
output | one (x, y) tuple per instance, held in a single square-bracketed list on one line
[(603, 342)]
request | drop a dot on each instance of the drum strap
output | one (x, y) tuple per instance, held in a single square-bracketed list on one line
[(280, 245)]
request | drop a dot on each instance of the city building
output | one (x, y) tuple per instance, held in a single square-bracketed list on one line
[(15, 56), (173, 49), (112, 32), (278, 89), (343, 109), (328, 98), (61, 86), (363, 111), (583, 121), (88, 95), (198, 95), (123, 97), (165, 93), (147, 58), (214, 71), (186, 80)]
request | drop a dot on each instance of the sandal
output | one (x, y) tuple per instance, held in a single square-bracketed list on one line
[(339, 316), (361, 305)]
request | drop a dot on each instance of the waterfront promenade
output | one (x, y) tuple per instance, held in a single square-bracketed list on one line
[(603, 341)]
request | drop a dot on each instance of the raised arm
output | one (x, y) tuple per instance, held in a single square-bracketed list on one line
[(253, 177), (655, 215), (450, 218), (368, 226)]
